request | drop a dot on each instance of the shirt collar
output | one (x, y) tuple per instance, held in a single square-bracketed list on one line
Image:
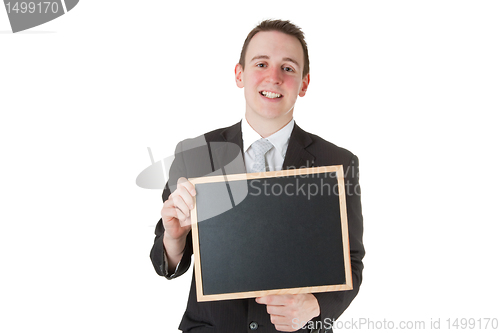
[(279, 139)]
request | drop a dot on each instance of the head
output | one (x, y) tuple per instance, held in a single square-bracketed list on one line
[(285, 27), (274, 71)]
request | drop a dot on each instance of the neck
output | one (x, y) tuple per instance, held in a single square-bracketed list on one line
[(266, 127)]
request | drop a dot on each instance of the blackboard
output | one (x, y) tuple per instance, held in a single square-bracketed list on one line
[(282, 232)]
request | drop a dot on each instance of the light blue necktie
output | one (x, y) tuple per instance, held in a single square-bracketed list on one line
[(260, 147)]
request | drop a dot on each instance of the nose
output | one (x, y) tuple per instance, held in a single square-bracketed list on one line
[(274, 75)]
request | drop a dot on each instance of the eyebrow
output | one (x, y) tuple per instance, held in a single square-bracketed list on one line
[(267, 57)]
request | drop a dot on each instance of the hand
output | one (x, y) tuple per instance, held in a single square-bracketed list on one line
[(176, 210), (290, 312), (176, 218)]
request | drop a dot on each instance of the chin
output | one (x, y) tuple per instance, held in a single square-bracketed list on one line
[(272, 113), (272, 116)]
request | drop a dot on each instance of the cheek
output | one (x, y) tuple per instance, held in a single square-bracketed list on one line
[(293, 86), (255, 79)]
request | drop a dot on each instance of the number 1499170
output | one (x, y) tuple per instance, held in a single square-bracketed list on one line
[(471, 323), (32, 7)]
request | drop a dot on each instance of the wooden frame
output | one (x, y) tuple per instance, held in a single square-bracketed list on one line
[(347, 285)]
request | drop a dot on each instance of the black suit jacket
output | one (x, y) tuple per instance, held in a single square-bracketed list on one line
[(304, 150)]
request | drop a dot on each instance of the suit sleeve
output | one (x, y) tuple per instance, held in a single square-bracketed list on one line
[(157, 253), (333, 304)]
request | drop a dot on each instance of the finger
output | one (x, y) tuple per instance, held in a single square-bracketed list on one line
[(262, 300), (277, 310), (285, 328), (168, 210), (171, 214), (185, 222), (187, 185), (180, 215), (278, 320), (273, 300), (181, 206), (185, 195), (168, 213)]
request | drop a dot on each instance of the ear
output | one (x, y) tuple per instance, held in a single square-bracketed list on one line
[(304, 85), (238, 75)]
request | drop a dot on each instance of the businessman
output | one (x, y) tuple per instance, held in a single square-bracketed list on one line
[(273, 70)]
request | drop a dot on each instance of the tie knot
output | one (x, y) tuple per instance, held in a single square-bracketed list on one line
[(260, 147)]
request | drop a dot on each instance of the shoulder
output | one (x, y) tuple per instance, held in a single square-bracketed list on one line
[(321, 148), (220, 134), (224, 133)]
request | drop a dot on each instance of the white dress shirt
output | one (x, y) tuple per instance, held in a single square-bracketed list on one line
[(276, 155)]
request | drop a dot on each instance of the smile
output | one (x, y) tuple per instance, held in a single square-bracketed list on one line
[(270, 94)]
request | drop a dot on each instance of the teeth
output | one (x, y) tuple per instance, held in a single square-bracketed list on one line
[(270, 94)]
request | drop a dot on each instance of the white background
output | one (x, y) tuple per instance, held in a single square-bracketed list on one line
[(411, 87)]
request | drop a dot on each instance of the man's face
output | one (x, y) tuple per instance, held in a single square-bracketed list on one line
[(272, 78)]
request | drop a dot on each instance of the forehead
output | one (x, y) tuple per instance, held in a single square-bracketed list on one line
[(276, 45)]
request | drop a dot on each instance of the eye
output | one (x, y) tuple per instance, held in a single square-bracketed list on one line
[(261, 65), (288, 69)]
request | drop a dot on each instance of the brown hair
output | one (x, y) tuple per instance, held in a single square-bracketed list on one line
[(285, 27)]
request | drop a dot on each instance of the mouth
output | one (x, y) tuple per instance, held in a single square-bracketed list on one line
[(270, 94)]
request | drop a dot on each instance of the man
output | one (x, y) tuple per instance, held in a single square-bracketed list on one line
[(273, 70)]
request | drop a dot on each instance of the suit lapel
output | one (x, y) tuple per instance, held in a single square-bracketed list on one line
[(296, 154), (227, 154), (233, 134)]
